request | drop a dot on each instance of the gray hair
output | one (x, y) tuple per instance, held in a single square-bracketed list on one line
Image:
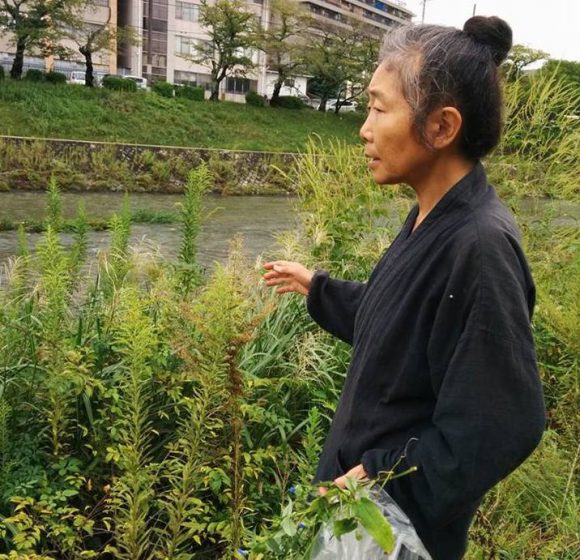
[(443, 66)]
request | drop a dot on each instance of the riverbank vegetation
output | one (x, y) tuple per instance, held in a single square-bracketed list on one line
[(535, 159), (96, 114), (154, 411), (150, 409)]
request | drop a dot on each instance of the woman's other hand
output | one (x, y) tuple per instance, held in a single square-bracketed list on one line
[(288, 276), (357, 473)]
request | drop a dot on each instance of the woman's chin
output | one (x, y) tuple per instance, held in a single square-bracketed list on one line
[(382, 177)]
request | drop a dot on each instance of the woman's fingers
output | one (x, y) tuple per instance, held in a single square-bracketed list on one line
[(270, 265), (289, 276), (277, 281)]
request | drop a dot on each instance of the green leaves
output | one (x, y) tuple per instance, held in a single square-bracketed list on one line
[(343, 526), (344, 510), (370, 517)]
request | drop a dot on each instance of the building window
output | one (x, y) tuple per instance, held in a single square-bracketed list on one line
[(158, 42), (184, 78), (159, 60), (240, 85), (158, 9), (186, 11), (185, 45)]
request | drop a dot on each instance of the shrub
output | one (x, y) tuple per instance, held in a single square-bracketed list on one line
[(162, 88), (119, 84), (56, 78), (288, 102), (1, 73), (34, 75), (190, 92), (255, 99)]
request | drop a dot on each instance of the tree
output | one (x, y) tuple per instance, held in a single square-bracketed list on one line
[(32, 24), (281, 41), (232, 32), (341, 61), (519, 57), (568, 70), (92, 39)]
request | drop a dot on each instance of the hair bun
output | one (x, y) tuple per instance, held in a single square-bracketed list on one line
[(493, 32)]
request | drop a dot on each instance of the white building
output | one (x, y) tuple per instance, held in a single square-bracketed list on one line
[(168, 29)]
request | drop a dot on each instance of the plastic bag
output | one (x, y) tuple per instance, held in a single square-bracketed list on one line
[(408, 546)]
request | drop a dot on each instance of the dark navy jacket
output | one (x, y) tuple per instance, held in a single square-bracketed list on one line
[(443, 373)]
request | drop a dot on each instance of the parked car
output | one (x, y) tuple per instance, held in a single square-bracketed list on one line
[(345, 106), (76, 77), (142, 83), (311, 102)]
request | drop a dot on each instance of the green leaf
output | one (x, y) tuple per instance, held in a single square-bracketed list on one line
[(342, 526), (371, 518), (288, 526), (351, 484)]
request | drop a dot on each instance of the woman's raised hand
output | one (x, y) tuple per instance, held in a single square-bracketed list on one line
[(288, 276)]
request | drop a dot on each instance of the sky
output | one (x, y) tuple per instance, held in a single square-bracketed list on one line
[(549, 25)]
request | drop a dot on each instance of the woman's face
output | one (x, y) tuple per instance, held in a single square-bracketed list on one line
[(395, 153)]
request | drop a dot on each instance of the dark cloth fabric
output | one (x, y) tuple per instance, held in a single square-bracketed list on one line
[(443, 374)]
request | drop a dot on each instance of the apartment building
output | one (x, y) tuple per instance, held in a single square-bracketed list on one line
[(100, 12), (379, 15), (169, 29)]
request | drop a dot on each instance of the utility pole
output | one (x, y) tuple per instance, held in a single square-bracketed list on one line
[(424, 2), (149, 38), (474, 8)]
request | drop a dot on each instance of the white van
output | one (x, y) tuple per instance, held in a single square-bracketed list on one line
[(142, 83), (345, 106), (76, 77)]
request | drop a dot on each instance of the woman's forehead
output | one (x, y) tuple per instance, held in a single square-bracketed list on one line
[(385, 84)]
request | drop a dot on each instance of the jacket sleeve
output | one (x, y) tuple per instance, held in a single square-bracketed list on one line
[(333, 304), (489, 413)]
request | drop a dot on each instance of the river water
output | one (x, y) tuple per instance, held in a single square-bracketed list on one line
[(256, 218)]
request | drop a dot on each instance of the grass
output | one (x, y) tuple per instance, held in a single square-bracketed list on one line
[(80, 113), (141, 216)]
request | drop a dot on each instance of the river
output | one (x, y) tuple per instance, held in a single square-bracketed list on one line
[(256, 218)]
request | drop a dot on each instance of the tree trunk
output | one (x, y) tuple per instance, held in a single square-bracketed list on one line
[(18, 63), (322, 106), (89, 72), (215, 88), (276, 92)]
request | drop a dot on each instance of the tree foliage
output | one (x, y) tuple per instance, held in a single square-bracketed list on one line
[(233, 32), (519, 57), (283, 41), (36, 24), (92, 39), (340, 61)]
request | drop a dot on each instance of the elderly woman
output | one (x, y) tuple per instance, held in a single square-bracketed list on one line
[(443, 373)]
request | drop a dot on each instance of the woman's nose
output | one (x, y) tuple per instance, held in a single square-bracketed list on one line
[(365, 131)]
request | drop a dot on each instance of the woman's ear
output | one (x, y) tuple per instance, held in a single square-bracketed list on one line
[(443, 126)]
